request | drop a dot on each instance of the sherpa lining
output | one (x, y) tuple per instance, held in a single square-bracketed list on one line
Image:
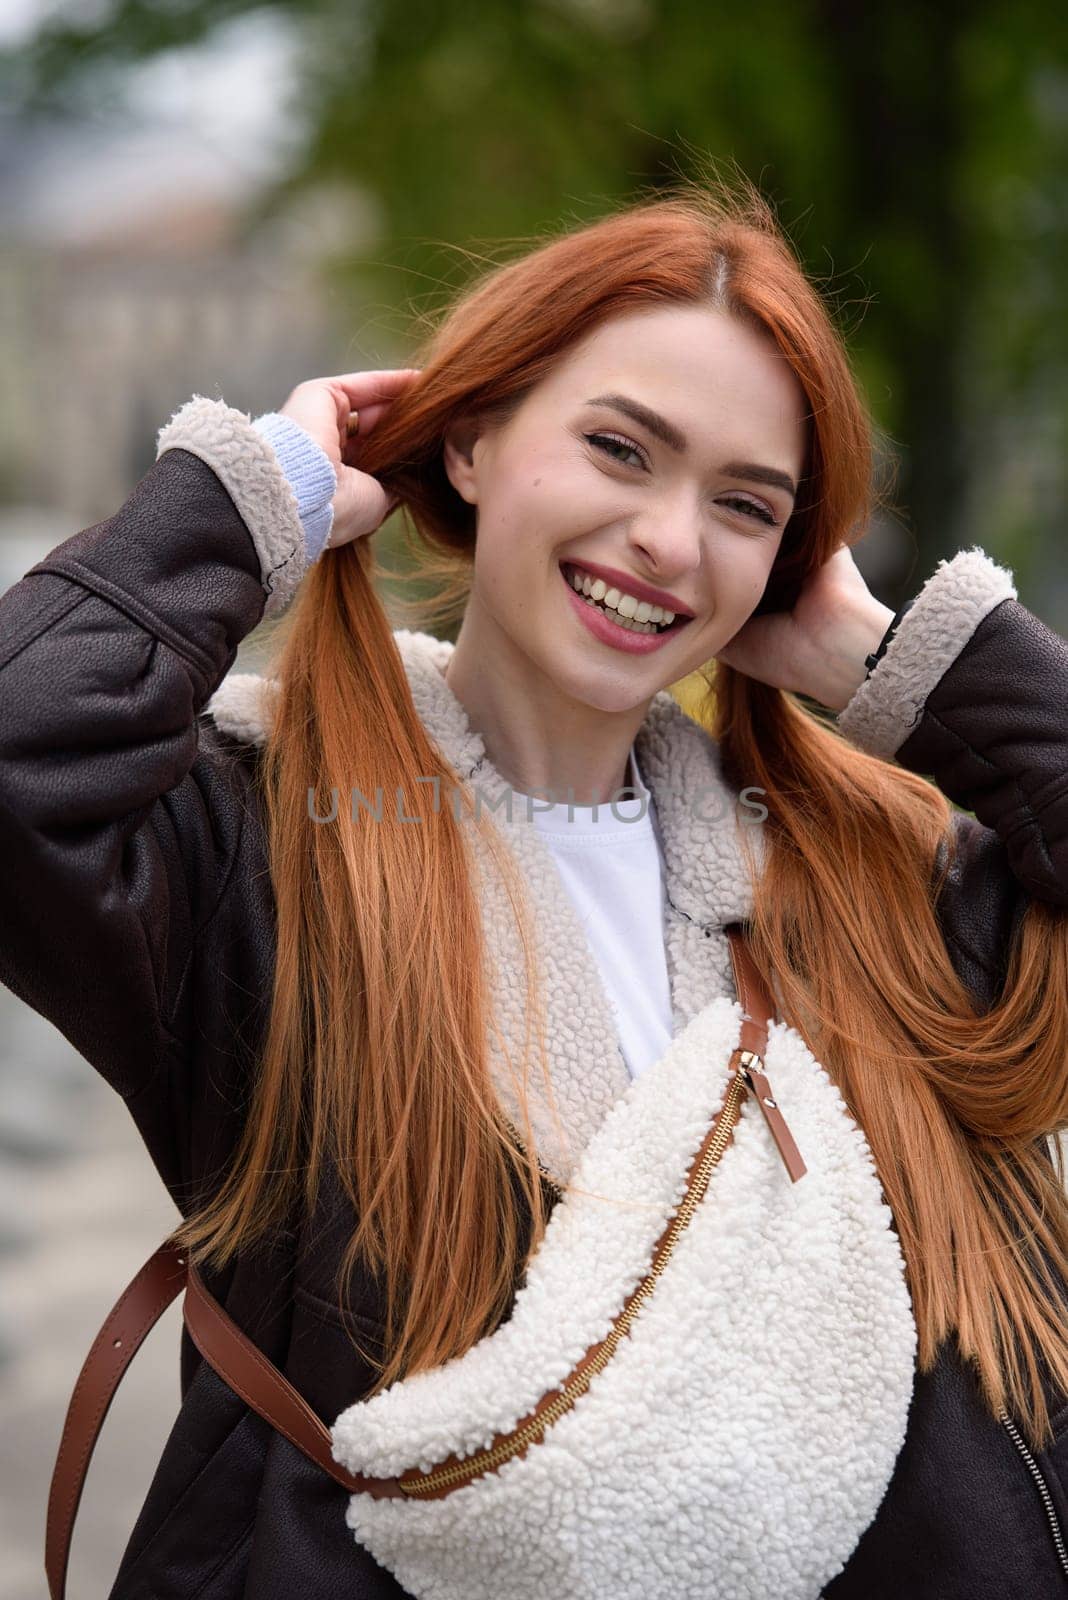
[(250, 470), (703, 830), (948, 609), (704, 873)]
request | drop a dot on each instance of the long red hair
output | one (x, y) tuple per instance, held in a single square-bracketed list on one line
[(375, 1057)]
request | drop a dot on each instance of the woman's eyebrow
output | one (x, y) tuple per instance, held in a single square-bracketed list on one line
[(675, 440)]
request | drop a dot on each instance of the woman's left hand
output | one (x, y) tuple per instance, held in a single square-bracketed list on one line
[(817, 649)]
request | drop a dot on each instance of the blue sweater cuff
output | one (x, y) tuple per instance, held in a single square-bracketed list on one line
[(310, 473)]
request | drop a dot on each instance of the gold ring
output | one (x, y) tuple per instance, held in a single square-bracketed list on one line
[(352, 427)]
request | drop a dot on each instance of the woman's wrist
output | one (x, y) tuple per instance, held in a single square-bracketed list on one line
[(841, 666), (310, 473)]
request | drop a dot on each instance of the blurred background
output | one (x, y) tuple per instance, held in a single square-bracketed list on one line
[(224, 198)]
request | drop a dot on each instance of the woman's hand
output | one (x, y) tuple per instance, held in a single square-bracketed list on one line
[(321, 406), (818, 648)]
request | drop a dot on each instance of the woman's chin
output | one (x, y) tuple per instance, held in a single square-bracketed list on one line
[(611, 690)]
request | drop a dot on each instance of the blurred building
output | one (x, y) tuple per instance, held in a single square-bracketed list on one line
[(132, 275), (105, 338)]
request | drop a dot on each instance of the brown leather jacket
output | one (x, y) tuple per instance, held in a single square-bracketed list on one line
[(137, 914)]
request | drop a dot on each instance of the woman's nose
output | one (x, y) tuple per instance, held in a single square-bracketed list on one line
[(669, 539)]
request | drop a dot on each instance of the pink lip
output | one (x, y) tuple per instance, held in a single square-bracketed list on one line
[(610, 633), (641, 591)]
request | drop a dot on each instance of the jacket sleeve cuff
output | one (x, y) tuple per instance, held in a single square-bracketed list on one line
[(250, 471), (952, 603)]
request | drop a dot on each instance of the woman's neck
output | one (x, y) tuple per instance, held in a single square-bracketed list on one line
[(539, 739)]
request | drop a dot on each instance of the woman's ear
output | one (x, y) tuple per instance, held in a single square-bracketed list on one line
[(459, 459)]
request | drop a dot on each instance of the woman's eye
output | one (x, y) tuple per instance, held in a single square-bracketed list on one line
[(760, 512), (609, 443)]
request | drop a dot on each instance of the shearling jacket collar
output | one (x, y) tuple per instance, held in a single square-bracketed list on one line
[(705, 828)]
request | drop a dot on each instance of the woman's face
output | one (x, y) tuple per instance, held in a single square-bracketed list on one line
[(658, 460)]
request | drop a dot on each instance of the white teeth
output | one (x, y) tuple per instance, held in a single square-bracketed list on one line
[(625, 622), (638, 616)]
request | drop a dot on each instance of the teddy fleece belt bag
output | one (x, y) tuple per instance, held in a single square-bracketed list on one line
[(703, 1384)]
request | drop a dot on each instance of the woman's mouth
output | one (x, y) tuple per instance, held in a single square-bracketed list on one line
[(605, 611)]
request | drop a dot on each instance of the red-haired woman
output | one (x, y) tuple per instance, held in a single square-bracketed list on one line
[(390, 1048)]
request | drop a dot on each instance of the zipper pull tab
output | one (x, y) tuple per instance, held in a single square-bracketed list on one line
[(750, 1065)]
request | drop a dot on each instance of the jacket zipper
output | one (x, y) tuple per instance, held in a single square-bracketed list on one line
[(1043, 1488), (443, 1479)]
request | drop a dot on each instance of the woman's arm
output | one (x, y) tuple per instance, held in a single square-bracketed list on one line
[(118, 822), (973, 692), (116, 831)]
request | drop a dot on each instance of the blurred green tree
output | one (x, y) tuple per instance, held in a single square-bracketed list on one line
[(915, 153)]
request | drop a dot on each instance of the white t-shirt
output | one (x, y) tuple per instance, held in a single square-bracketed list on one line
[(611, 867)]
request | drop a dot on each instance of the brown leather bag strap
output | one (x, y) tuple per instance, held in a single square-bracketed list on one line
[(238, 1361), (222, 1344), (132, 1317), (758, 1008), (249, 1373)]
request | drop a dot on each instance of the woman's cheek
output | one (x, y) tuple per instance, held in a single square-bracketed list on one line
[(575, 499)]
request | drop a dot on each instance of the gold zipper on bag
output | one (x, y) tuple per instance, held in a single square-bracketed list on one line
[(452, 1476)]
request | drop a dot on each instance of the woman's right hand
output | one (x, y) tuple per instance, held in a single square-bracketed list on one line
[(321, 406)]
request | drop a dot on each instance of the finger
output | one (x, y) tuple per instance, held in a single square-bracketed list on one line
[(364, 387), (369, 415), (350, 442)]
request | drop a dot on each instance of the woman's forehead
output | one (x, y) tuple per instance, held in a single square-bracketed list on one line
[(698, 370)]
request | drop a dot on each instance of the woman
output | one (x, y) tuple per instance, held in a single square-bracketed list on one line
[(327, 1029)]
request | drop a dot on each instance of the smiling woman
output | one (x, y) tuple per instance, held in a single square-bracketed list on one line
[(664, 516), (513, 1147)]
